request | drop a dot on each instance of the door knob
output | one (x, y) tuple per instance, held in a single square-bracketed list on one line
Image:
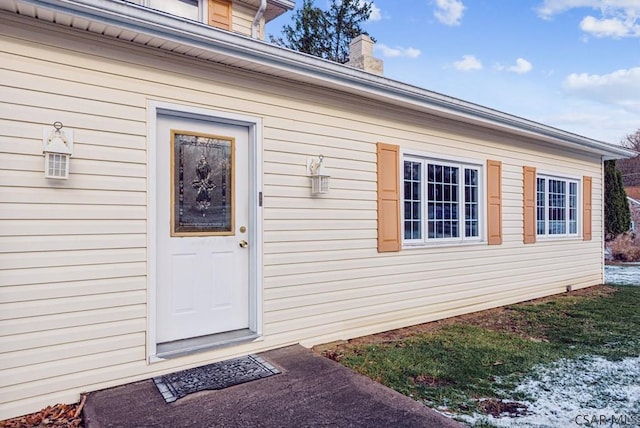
[(243, 244)]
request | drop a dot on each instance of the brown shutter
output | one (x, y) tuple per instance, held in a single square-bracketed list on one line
[(529, 176), (220, 14), (388, 197), (494, 202), (586, 208)]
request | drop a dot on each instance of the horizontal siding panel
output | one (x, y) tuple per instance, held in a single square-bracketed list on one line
[(59, 227), (313, 245), (80, 150), (71, 273), (73, 120), (271, 191), (42, 83), (44, 259), (22, 163), (108, 168), (38, 308), (75, 181), (353, 163), (321, 224), (326, 203), (73, 103), (439, 283), (318, 214), (78, 381), (302, 145), (11, 390), (17, 162), (71, 319), (334, 183), (479, 255), (60, 64), (23, 293), (278, 288), (19, 244), (69, 335), (65, 351), (113, 154), (52, 212), (363, 276), (358, 317), (380, 296), (318, 235), (308, 273), (337, 254), (21, 195), (336, 173)]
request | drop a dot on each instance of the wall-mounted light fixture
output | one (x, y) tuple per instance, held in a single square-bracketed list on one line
[(319, 180), (58, 148)]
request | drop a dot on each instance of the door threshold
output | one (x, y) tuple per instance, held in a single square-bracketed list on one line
[(180, 348)]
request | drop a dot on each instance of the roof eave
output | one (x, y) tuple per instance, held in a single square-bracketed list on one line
[(298, 66)]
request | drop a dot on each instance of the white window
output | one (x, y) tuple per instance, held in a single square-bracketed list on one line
[(190, 9), (556, 206), (441, 201)]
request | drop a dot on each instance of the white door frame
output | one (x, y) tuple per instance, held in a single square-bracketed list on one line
[(254, 124)]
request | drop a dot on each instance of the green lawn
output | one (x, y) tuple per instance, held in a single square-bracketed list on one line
[(455, 365)]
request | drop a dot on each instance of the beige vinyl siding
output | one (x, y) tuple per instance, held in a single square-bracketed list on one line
[(73, 271), (242, 17)]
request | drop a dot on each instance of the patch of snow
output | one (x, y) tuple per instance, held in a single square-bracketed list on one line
[(577, 392), (625, 274)]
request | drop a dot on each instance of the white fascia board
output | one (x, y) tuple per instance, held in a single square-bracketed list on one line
[(309, 69), (284, 4)]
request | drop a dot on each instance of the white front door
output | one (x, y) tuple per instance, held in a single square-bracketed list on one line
[(202, 228)]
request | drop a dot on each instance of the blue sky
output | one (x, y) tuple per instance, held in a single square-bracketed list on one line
[(571, 64)]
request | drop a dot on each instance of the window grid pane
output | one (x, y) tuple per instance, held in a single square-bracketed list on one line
[(573, 208), (412, 200), (442, 201), (540, 205), (557, 207), (471, 202)]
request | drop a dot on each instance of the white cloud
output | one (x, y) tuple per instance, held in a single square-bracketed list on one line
[(554, 7), (449, 12), (617, 18), (376, 13), (521, 66), (397, 51), (468, 63), (621, 87), (605, 27)]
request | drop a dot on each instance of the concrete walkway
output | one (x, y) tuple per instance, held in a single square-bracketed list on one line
[(311, 391)]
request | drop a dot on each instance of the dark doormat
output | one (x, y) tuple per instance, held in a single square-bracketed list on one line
[(213, 376)]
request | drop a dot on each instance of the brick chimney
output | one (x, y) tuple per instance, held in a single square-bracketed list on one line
[(361, 55)]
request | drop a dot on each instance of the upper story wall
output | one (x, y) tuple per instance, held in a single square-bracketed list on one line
[(232, 15)]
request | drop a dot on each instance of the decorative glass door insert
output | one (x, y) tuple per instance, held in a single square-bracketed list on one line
[(202, 184)]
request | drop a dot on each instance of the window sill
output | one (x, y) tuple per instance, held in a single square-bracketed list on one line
[(451, 244), (558, 238)]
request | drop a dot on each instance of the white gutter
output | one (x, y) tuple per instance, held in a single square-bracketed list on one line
[(258, 18), (297, 66)]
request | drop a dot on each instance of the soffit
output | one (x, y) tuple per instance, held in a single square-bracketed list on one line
[(274, 9)]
